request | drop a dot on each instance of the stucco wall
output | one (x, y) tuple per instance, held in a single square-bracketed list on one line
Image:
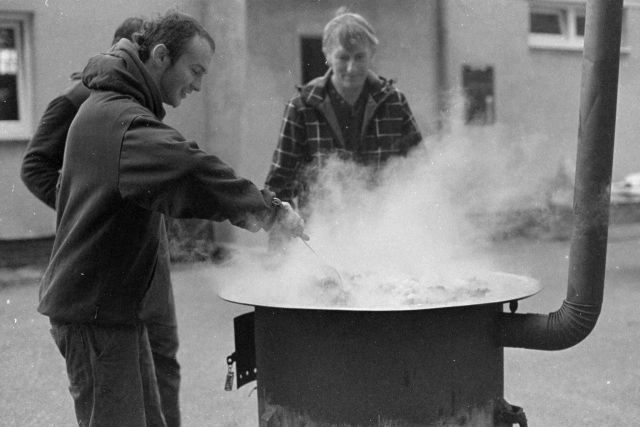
[(257, 65), (627, 149), (538, 90)]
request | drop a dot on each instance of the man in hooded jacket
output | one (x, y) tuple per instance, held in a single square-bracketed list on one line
[(123, 170), (40, 171)]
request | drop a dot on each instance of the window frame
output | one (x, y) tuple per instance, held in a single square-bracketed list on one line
[(22, 128), (568, 12)]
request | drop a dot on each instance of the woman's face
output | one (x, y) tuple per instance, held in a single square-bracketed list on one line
[(349, 66)]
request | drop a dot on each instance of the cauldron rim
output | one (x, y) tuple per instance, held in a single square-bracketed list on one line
[(523, 287)]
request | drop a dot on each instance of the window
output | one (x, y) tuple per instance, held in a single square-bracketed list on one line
[(313, 61), (556, 25), (15, 81), (479, 97)]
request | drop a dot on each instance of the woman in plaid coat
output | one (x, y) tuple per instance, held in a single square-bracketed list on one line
[(350, 112)]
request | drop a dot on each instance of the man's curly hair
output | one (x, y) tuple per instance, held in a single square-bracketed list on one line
[(174, 30)]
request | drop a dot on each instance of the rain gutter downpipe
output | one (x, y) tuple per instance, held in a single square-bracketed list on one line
[(579, 312), (441, 63)]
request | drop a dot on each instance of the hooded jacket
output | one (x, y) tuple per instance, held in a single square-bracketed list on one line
[(310, 133), (123, 168)]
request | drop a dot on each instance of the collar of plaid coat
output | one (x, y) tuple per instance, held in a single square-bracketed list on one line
[(314, 92)]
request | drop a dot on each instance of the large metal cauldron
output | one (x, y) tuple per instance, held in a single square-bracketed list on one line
[(361, 366)]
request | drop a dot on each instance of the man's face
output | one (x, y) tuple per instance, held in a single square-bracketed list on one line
[(185, 74), (349, 66)]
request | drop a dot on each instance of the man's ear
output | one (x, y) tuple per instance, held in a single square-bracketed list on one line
[(160, 55)]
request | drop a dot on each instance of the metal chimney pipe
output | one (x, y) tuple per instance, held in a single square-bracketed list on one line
[(587, 258)]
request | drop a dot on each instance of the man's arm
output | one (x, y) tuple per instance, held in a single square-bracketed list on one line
[(44, 154), (160, 170)]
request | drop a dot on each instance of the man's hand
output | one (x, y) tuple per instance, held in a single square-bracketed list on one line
[(290, 222), (287, 220)]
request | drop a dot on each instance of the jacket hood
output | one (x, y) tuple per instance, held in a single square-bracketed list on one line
[(120, 70), (315, 91)]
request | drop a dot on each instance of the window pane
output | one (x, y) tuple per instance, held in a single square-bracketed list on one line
[(478, 84), (580, 25), (313, 63), (545, 23), (8, 75)]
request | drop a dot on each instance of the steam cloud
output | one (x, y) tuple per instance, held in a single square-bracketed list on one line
[(416, 222)]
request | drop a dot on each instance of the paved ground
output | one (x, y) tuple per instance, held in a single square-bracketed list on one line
[(596, 383)]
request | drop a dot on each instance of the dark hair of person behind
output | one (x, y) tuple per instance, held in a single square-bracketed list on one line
[(174, 30), (126, 30)]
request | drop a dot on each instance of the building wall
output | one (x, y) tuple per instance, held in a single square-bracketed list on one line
[(538, 90), (627, 149), (256, 67)]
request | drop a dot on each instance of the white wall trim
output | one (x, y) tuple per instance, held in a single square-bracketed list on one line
[(23, 129)]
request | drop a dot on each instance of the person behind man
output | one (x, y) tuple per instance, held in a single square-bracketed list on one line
[(123, 169), (350, 112), (43, 158), (40, 171)]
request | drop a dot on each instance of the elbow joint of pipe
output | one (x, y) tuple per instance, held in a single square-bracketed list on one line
[(559, 330)]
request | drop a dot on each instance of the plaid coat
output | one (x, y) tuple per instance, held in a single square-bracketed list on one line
[(310, 133)]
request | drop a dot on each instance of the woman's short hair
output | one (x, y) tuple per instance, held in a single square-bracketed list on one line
[(348, 29), (175, 30)]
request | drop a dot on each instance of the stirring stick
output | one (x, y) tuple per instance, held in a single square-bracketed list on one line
[(326, 267)]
